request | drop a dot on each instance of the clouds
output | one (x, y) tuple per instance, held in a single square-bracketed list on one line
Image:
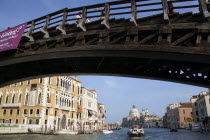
[(110, 83)]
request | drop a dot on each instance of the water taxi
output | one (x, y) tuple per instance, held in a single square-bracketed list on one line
[(136, 131)]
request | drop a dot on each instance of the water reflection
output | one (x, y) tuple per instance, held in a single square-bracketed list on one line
[(150, 134)]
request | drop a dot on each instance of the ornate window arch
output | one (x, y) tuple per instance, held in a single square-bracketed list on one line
[(39, 98), (19, 99), (6, 99), (26, 99), (13, 98)]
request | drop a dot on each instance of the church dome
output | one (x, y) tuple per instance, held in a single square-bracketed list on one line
[(134, 112)]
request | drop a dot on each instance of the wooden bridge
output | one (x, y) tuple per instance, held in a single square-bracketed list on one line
[(156, 39)]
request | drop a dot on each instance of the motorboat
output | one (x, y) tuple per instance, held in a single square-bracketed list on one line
[(195, 127), (136, 131), (107, 131), (173, 130)]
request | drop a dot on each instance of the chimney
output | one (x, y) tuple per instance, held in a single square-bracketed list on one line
[(76, 77)]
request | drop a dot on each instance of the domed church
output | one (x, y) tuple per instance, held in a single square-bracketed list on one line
[(134, 113), (133, 118)]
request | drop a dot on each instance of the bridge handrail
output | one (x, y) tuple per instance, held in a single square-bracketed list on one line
[(133, 7)]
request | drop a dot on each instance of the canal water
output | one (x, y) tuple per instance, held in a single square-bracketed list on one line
[(150, 134)]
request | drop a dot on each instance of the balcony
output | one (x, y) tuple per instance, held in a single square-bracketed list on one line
[(48, 104), (57, 106), (64, 108), (72, 109), (12, 105)]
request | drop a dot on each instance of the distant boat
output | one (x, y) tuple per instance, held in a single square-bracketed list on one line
[(136, 131), (107, 131)]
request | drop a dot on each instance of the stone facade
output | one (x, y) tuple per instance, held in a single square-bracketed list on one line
[(50, 103), (179, 115)]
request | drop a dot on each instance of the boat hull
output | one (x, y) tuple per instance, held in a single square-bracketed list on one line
[(135, 134), (107, 131)]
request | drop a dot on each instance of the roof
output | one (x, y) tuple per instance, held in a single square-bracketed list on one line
[(186, 105)]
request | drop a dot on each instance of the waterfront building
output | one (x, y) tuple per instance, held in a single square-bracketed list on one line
[(193, 100), (165, 120), (150, 120), (89, 110), (179, 115), (201, 107), (49, 103), (201, 111), (101, 116)]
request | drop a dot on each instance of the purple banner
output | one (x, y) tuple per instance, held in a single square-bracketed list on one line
[(10, 38)]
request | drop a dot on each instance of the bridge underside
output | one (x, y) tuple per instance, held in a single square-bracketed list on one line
[(149, 65)]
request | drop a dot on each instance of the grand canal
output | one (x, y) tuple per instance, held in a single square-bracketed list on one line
[(150, 134)]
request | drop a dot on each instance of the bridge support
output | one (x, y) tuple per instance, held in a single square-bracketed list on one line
[(106, 18), (29, 33), (45, 27), (62, 25), (134, 13), (82, 23), (165, 11)]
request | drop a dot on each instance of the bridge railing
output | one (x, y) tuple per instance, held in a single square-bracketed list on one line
[(130, 9)]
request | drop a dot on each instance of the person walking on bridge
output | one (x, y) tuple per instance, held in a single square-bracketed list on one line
[(171, 8)]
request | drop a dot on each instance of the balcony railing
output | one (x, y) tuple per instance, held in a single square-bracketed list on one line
[(57, 106), (64, 108), (73, 109), (48, 104), (11, 105)]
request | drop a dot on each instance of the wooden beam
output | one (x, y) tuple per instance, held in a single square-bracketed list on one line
[(165, 11), (45, 27), (83, 21), (147, 38), (61, 27), (107, 15), (29, 33), (134, 13), (183, 38)]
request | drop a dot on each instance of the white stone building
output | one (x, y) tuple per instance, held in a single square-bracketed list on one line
[(89, 119)]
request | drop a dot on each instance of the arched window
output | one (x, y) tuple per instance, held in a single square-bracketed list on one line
[(19, 100), (57, 83), (56, 99), (13, 98), (69, 103), (66, 102), (0, 98), (73, 88), (7, 97), (26, 100), (39, 99), (60, 101), (48, 98)]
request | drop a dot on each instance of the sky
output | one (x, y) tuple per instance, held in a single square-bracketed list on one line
[(117, 93)]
